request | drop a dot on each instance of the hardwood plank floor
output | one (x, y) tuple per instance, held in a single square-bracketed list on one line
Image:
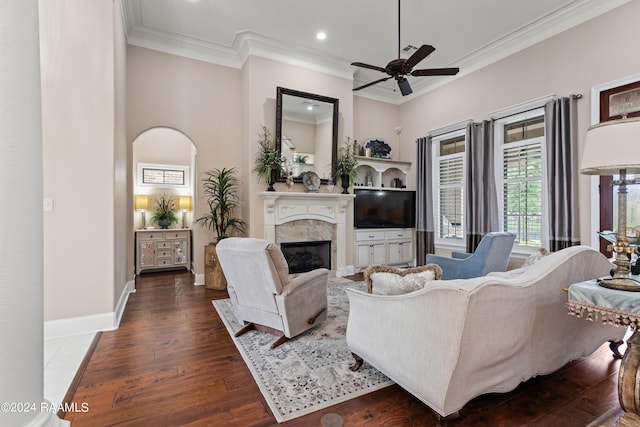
[(172, 363)]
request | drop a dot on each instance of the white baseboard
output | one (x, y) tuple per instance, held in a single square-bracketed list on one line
[(347, 270), (199, 281), (89, 324)]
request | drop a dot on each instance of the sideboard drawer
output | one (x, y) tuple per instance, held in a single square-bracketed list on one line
[(173, 235), (163, 245), (163, 253), (151, 235)]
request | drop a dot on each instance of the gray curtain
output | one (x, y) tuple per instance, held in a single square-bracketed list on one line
[(424, 201), (562, 172), (481, 202)]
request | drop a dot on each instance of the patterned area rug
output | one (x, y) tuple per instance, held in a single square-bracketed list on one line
[(310, 372)]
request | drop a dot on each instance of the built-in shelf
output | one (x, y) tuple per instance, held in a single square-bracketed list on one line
[(384, 172)]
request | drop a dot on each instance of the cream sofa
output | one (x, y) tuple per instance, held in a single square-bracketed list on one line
[(454, 340)]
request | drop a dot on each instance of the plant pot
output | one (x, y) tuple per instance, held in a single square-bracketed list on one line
[(213, 275), (164, 223), (272, 179), (344, 180)]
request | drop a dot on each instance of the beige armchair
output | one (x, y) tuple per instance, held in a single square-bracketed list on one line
[(263, 294)]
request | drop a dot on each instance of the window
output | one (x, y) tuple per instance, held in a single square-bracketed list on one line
[(163, 176), (449, 186), (521, 178)]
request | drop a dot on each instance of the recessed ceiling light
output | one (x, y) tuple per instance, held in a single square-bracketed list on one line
[(321, 35)]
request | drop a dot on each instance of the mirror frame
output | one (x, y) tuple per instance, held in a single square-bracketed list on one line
[(334, 138)]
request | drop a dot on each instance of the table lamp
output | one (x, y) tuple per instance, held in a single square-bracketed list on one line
[(184, 204), (612, 148), (141, 203)]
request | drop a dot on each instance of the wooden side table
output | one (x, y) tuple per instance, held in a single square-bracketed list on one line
[(621, 308)]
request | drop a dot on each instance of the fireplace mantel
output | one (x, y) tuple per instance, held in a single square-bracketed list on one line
[(282, 207)]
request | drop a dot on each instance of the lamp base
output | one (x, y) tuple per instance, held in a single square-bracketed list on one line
[(620, 284)]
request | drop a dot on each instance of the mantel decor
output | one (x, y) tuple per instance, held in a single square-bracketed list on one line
[(347, 165), (268, 163)]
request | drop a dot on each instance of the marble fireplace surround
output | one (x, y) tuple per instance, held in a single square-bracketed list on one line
[(293, 216)]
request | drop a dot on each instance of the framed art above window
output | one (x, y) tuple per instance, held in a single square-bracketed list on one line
[(165, 176)]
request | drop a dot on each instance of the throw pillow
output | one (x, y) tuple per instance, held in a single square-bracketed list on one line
[(389, 280), (535, 257)]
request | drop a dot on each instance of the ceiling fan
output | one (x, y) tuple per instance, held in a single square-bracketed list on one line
[(400, 68)]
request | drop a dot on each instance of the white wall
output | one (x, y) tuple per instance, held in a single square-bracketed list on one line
[(84, 158), (201, 100), (598, 51)]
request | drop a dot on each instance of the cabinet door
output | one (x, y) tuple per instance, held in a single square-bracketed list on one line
[(147, 251), (400, 251), (407, 251), (363, 251), (395, 252), (180, 251), (378, 253)]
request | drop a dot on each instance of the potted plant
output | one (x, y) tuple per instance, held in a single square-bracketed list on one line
[(268, 159), (346, 166), (164, 213), (221, 189)]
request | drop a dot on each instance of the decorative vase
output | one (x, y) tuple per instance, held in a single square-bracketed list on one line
[(213, 275), (272, 179), (164, 223), (344, 179), (330, 185)]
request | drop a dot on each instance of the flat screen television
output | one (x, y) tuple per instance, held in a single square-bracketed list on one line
[(384, 209)]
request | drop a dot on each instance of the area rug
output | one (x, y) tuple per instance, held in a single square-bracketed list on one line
[(310, 372)]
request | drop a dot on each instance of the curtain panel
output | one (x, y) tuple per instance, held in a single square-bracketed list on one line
[(562, 173), (481, 200), (425, 234)]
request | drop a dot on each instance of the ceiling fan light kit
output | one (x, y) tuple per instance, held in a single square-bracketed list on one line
[(400, 68)]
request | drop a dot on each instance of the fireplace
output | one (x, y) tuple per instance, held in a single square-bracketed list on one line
[(304, 217), (307, 256)]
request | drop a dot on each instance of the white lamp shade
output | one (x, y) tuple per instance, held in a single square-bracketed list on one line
[(184, 203), (141, 202), (612, 146)]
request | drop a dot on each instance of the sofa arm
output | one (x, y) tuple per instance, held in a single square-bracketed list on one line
[(402, 336)]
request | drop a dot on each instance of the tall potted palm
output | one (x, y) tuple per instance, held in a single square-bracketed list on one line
[(221, 189)]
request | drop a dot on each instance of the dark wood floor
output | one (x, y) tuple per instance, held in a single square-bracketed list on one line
[(172, 363)]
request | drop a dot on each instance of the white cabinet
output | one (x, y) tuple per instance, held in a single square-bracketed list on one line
[(374, 246), (399, 246), (384, 173), (163, 249)]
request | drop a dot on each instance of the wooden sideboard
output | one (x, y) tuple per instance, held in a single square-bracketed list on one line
[(163, 249)]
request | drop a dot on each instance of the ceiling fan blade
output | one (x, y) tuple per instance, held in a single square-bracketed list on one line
[(371, 67), (436, 72), (424, 51), (372, 83)]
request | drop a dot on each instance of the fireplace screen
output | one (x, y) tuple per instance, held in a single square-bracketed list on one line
[(307, 256)]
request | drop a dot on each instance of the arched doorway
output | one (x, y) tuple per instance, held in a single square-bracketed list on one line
[(163, 170)]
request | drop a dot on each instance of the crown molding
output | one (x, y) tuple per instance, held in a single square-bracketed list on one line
[(248, 43)]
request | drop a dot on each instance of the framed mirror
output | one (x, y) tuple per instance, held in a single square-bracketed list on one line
[(307, 133)]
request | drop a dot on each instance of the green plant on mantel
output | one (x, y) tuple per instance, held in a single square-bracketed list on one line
[(268, 158), (221, 189), (347, 164), (164, 213)]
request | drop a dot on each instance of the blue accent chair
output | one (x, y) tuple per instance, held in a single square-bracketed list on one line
[(492, 254)]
